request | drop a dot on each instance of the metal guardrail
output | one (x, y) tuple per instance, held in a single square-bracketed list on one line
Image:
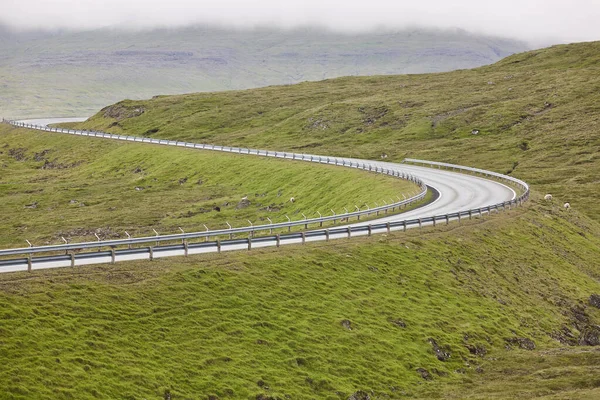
[(523, 185), (185, 247), (231, 231)]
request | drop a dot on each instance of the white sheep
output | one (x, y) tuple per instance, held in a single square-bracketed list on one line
[(292, 199), (548, 197), (567, 206)]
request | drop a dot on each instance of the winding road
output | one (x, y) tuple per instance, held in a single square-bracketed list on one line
[(457, 192)]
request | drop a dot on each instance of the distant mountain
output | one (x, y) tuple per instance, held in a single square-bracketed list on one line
[(68, 73)]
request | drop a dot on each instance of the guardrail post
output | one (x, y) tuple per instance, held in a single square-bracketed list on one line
[(370, 229), (420, 223), (218, 246), (447, 219), (349, 232), (29, 263), (185, 247), (303, 237), (112, 256), (278, 240), (151, 252), (470, 214), (249, 244), (72, 259), (388, 227), (404, 226), (327, 235)]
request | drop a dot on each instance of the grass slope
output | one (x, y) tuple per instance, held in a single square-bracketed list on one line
[(360, 317), (81, 186), (271, 324), (535, 115)]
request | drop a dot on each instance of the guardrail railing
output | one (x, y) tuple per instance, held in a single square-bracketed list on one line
[(230, 231), (523, 185), (186, 248)]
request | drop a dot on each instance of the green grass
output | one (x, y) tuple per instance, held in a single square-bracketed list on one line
[(92, 186), (270, 322), (537, 115)]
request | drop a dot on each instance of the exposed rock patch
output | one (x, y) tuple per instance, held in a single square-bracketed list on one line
[(243, 203), (590, 336), (120, 112), (595, 300), (399, 323), (31, 205), (360, 395), (347, 324), (477, 350), (424, 374), (18, 154), (440, 353), (41, 156), (523, 343)]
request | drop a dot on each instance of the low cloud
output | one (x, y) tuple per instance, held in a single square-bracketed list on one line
[(530, 20)]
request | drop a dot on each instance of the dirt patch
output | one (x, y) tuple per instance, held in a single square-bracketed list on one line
[(120, 112)]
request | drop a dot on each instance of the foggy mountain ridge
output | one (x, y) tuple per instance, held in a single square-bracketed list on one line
[(75, 73)]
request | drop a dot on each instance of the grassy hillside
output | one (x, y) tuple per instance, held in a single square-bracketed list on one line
[(502, 307), (321, 320), (77, 73), (55, 185), (535, 115)]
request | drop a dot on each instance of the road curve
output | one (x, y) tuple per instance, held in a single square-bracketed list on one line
[(457, 192)]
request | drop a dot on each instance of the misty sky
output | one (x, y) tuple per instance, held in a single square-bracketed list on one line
[(530, 20)]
